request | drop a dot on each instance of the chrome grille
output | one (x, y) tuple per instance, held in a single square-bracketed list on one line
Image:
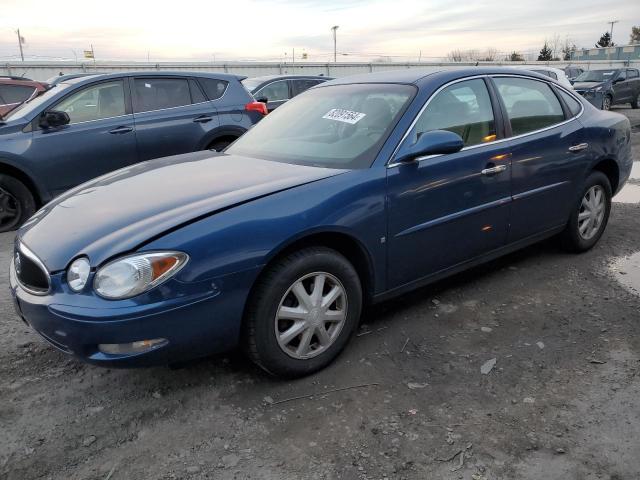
[(30, 271)]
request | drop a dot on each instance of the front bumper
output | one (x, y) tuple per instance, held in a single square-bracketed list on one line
[(593, 97), (198, 324)]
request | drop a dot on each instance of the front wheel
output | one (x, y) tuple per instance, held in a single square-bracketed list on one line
[(590, 216), (606, 102), (16, 203), (302, 312)]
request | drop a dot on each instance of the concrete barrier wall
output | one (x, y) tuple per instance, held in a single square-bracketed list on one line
[(45, 70)]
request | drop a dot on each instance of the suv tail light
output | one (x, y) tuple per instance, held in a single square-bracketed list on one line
[(256, 107)]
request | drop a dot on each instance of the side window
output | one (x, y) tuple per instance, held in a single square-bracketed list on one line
[(531, 105), (632, 73), (274, 92), (300, 86), (103, 100), (553, 75), (196, 92), (463, 108), (213, 88), (572, 103), (15, 93), (160, 93), (622, 75)]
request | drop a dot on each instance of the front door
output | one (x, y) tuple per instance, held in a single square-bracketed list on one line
[(99, 138), (274, 94), (446, 209)]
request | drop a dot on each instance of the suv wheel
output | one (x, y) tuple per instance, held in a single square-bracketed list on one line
[(302, 312), (606, 102), (636, 102), (590, 215), (16, 203), (220, 145)]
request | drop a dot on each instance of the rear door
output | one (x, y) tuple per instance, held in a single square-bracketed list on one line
[(621, 88), (172, 115), (548, 155), (98, 139), (633, 78)]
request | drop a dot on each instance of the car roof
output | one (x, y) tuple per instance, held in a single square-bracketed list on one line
[(420, 77), (154, 73), (268, 78)]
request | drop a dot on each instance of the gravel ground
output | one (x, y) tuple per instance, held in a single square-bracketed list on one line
[(561, 401)]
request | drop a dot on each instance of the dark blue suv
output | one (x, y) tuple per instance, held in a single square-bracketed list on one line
[(89, 126)]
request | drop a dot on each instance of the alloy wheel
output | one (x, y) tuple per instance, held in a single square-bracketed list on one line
[(311, 315), (592, 211), (606, 103)]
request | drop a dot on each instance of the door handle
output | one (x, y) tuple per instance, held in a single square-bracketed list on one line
[(494, 170), (579, 147), (121, 129), (203, 119)]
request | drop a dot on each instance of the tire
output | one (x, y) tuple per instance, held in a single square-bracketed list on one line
[(572, 237), (277, 293), (636, 102), (218, 146), (606, 102), (16, 203)]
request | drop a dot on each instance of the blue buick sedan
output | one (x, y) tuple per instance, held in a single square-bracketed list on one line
[(357, 190)]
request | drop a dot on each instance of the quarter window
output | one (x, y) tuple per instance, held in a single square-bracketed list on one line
[(213, 88), (572, 103), (161, 93), (274, 92), (531, 105), (103, 100), (463, 108)]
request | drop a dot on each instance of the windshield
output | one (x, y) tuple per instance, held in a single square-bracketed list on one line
[(27, 107), (595, 76), (342, 126), (251, 83)]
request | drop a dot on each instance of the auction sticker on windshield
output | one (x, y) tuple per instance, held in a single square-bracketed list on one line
[(346, 116)]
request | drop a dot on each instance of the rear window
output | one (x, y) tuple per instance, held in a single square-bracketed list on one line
[(15, 93), (213, 88), (161, 93)]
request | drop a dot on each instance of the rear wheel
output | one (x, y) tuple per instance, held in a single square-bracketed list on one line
[(16, 203), (219, 145), (302, 312), (606, 102), (590, 215), (636, 102)]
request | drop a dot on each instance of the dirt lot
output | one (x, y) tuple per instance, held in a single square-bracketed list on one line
[(562, 401)]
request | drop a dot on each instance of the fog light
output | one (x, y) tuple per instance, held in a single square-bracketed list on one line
[(133, 347)]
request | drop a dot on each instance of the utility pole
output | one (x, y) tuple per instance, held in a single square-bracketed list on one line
[(612, 22), (293, 57), (20, 40), (335, 55)]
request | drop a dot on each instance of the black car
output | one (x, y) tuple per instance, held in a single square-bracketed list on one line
[(607, 87), (274, 90), (572, 72)]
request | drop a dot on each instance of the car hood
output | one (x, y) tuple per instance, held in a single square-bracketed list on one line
[(587, 85), (120, 211)]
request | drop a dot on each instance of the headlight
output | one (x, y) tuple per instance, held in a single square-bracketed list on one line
[(598, 89), (132, 275), (78, 273)]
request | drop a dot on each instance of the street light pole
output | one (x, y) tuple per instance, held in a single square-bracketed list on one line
[(20, 44), (612, 22), (335, 55)]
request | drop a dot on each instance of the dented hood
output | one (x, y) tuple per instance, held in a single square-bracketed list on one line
[(117, 212)]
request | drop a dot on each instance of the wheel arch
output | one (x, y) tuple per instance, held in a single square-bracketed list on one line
[(611, 169), (227, 132), (9, 169)]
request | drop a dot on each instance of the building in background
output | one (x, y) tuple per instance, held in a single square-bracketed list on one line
[(627, 52)]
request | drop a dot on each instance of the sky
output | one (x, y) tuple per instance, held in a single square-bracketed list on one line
[(369, 30)]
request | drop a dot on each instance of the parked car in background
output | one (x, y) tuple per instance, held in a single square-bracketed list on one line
[(16, 90), (356, 191), (550, 72), (88, 126), (572, 72), (611, 86), (274, 90)]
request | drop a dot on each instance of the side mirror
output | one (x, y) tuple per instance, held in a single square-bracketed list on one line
[(432, 143), (262, 99), (618, 80), (54, 119)]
